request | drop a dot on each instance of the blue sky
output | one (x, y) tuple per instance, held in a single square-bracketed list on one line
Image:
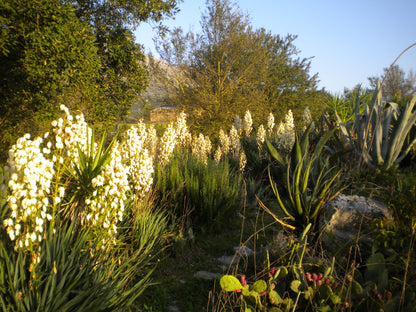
[(349, 40)]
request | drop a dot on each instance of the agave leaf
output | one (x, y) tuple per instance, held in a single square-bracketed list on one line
[(392, 112), (405, 152), (344, 130), (304, 142), (323, 194), (296, 189), (406, 121), (288, 184), (321, 143), (275, 154), (279, 200)]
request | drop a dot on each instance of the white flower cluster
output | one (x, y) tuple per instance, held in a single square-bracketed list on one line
[(242, 161), (247, 123), (105, 206), (238, 125), (33, 178), (184, 137), (306, 118), (138, 159), (69, 135), (286, 133), (28, 176), (167, 144), (223, 147), (235, 143), (175, 135), (225, 142), (270, 124), (261, 136), (201, 148)]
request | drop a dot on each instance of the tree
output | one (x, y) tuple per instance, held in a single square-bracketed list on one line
[(123, 74), (396, 85), (230, 68), (47, 57)]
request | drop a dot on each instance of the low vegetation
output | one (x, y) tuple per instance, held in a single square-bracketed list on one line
[(87, 223)]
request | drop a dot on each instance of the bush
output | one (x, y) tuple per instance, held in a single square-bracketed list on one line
[(209, 194)]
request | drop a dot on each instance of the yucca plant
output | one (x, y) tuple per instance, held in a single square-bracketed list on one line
[(378, 134), (81, 174), (308, 183), (68, 276)]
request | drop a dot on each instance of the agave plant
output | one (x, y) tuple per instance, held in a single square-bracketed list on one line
[(378, 133), (308, 180)]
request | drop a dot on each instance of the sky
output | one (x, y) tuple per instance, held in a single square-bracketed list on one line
[(347, 40)]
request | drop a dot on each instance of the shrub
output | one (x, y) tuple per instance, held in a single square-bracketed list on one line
[(208, 193)]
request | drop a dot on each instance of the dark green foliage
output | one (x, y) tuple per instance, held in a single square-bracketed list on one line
[(123, 75), (396, 84), (208, 194), (47, 57)]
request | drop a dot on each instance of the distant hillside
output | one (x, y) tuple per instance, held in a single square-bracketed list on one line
[(162, 83)]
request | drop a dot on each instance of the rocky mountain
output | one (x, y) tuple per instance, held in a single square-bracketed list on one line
[(162, 84)]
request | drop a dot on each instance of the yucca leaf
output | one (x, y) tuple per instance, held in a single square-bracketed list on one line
[(305, 176), (392, 112)]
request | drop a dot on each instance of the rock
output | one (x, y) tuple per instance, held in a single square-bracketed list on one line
[(347, 217), (228, 260), (207, 275), (243, 251), (240, 252)]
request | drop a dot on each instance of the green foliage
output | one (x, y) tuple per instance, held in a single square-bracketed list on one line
[(68, 277), (288, 287), (145, 228), (308, 183), (344, 105), (377, 135), (395, 83), (208, 194), (230, 68)]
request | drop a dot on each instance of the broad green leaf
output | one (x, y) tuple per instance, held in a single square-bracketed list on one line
[(230, 283), (294, 285), (259, 286), (275, 298)]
